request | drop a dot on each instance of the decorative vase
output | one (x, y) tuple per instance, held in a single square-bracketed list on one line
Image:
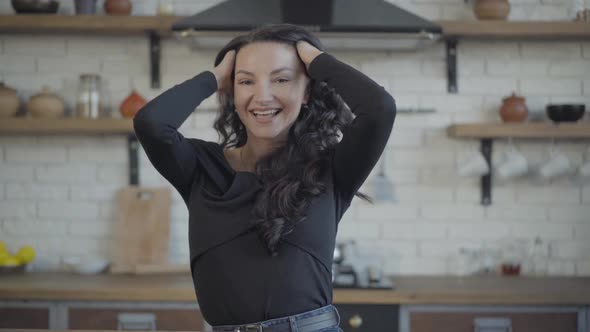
[(132, 104), (514, 109), (491, 9), (118, 7), (9, 101), (46, 104)]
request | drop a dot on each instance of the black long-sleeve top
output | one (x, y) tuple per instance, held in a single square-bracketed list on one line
[(235, 279)]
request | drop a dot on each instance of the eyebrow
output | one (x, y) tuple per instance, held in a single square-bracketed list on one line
[(272, 72)]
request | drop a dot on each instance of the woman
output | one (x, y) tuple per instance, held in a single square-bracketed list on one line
[(264, 204)]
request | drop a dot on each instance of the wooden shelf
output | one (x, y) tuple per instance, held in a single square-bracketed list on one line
[(105, 24), (518, 130), (516, 29), (64, 126), (91, 24)]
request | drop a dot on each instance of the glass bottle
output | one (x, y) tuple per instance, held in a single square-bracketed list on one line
[(89, 103)]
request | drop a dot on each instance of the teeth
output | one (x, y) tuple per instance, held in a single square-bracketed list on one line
[(267, 112)]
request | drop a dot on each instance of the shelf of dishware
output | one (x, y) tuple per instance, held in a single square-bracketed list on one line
[(65, 126), (520, 130)]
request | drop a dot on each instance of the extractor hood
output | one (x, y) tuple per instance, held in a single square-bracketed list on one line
[(340, 24)]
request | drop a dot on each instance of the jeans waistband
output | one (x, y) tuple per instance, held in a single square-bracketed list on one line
[(308, 321)]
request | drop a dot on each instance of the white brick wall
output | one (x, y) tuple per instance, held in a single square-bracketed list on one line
[(58, 193)]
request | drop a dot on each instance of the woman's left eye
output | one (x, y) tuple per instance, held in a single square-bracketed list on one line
[(282, 80)]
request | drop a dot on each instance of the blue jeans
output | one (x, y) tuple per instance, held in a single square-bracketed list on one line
[(287, 319)]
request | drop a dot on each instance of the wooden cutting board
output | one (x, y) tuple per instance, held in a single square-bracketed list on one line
[(143, 228)]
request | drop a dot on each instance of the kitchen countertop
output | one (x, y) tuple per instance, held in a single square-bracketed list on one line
[(408, 289)]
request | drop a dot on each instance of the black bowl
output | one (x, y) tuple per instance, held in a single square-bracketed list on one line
[(35, 6), (565, 112)]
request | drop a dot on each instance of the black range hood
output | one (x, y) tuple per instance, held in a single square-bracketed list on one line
[(340, 24)]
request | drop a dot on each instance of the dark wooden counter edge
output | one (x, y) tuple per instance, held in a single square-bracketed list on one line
[(488, 290)]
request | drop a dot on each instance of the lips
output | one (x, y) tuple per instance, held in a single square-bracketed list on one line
[(259, 112), (266, 115)]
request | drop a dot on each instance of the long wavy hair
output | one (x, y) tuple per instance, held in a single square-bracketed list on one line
[(291, 175)]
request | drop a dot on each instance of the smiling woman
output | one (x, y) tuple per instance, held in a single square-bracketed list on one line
[(265, 202)]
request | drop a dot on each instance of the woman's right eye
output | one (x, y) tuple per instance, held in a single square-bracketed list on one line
[(245, 82)]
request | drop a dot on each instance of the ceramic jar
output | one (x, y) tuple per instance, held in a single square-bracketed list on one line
[(491, 9), (514, 109), (9, 101), (46, 104), (118, 7), (132, 104)]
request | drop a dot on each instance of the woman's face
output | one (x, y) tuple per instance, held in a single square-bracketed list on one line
[(269, 89)]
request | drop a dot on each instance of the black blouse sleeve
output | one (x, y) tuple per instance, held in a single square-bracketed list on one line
[(364, 140), (156, 126)]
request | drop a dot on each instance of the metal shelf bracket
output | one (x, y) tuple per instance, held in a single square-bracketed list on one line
[(155, 57), (451, 65), (486, 180), (133, 149)]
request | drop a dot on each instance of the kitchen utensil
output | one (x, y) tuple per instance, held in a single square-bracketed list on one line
[(35, 6), (92, 265), (46, 104), (383, 187), (9, 101), (514, 109), (565, 112), (143, 227)]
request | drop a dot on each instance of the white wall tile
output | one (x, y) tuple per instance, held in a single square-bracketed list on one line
[(57, 187), (34, 191), (68, 209)]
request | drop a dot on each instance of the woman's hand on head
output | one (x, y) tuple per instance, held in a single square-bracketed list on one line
[(223, 71), (307, 52)]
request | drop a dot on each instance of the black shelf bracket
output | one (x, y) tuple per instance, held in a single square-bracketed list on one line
[(155, 55), (133, 149), (486, 180), (451, 65)]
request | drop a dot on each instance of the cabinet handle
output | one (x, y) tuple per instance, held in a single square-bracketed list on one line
[(492, 324), (355, 321), (136, 321)]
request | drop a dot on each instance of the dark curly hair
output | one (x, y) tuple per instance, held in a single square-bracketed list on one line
[(291, 175)]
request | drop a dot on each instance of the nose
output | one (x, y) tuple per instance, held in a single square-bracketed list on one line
[(263, 94)]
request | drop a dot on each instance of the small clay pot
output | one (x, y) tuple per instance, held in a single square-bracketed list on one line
[(132, 104), (491, 9), (46, 104), (118, 7), (514, 109), (9, 101)]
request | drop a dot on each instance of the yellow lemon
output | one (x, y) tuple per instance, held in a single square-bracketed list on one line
[(25, 254), (11, 261)]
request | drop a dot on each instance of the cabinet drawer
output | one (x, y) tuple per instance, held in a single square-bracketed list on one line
[(24, 318), (368, 317), (107, 318), (520, 321)]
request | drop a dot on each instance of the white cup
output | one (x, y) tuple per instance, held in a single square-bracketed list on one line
[(474, 166), (557, 165), (584, 170), (514, 165)]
